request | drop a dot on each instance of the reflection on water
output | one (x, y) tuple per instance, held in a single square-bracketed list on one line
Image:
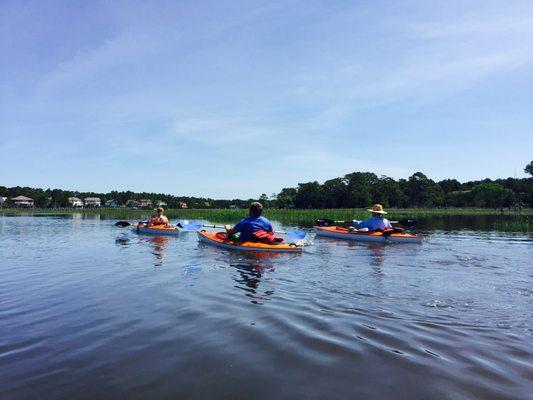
[(486, 223), (250, 276), (123, 240), (377, 254), (158, 244)]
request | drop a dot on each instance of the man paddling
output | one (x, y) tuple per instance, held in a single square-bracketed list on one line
[(376, 222), (254, 227), (160, 219)]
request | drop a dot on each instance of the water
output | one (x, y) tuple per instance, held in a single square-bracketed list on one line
[(88, 310)]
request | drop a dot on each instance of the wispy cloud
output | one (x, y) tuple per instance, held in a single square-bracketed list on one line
[(222, 131)]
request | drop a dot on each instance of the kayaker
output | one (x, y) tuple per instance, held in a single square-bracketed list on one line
[(160, 219), (254, 227), (377, 222)]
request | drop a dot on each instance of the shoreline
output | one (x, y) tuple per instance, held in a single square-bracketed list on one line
[(429, 219)]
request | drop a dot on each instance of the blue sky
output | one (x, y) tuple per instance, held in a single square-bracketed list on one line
[(237, 98)]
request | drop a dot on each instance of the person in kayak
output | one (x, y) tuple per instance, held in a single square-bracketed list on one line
[(377, 222), (160, 219), (253, 228)]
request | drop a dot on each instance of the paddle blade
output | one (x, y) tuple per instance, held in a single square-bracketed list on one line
[(324, 222), (408, 223), (189, 225), (296, 234), (122, 224)]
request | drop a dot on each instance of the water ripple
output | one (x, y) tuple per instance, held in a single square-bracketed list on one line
[(89, 311)]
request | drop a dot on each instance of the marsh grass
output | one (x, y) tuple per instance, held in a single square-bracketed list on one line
[(445, 219)]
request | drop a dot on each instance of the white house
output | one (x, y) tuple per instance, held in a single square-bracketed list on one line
[(22, 201), (145, 203), (161, 203), (75, 202), (2, 199), (92, 202), (133, 204)]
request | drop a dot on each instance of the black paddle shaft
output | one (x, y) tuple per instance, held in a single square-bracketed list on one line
[(408, 223)]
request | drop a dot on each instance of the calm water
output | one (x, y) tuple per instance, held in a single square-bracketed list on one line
[(91, 311)]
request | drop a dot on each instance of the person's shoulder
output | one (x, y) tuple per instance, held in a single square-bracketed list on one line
[(246, 220)]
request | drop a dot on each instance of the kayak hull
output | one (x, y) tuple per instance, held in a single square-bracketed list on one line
[(359, 236), (212, 239), (157, 230)]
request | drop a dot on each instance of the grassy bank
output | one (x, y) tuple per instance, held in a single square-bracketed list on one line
[(300, 217)]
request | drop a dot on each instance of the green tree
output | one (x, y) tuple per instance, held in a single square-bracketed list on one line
[(450, 185), (423, 191), (335, 193), (310, 195), (529, 168), (359, 188), (286, 198), (387, 192), (492, 195)]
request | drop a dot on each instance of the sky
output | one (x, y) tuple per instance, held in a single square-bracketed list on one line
[(232, 99)]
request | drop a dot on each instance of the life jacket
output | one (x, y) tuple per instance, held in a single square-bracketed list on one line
[(266, 237), (157, 221), (258, 236)]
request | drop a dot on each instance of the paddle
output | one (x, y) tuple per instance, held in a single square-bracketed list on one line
[(123, 224), (196, 226), (408, 223)]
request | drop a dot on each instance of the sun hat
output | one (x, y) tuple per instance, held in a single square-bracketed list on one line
[(378, 209)]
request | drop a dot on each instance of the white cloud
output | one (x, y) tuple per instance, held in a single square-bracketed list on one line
[(84, 66), (222, 131)]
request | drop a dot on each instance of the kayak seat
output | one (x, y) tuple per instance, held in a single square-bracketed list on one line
[(390, 231), (277, 240), (221, 235)]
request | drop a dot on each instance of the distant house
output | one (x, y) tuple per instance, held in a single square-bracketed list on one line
[(133, 204), (92, 202), (181, 204), (161, 203), (2, 199), (145, 203), (75, 202), (22, 201), (233, 207), (112, 203)]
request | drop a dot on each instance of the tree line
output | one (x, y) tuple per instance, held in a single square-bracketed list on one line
[(353, 190), (361, 189)]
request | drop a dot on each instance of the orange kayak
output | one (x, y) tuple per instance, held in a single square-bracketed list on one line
[(340, 232), (156, 229), (219, 240)]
